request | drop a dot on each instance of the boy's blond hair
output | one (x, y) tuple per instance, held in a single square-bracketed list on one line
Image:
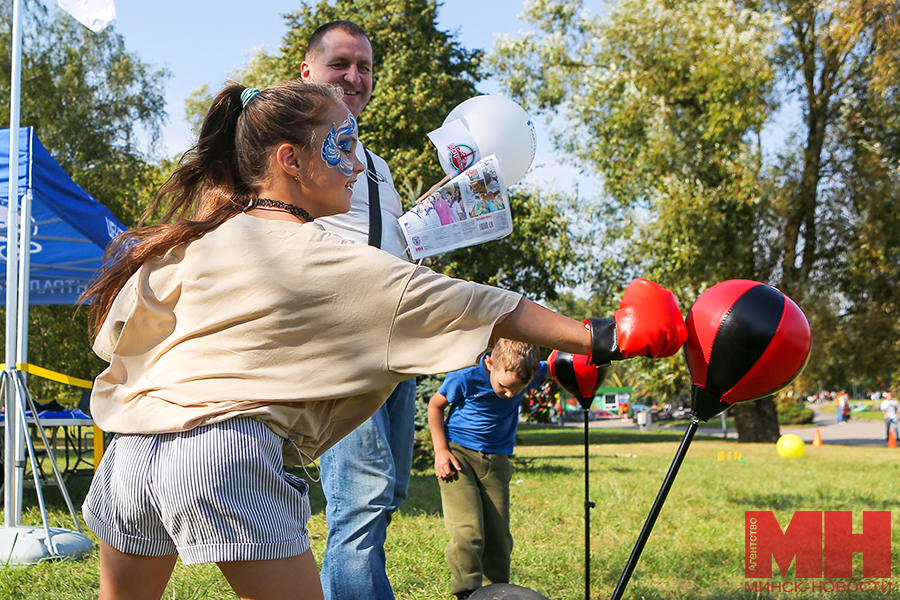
[(517, 357)]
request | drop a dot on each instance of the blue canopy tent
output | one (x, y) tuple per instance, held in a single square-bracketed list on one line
[(66, 233), (69, 229)]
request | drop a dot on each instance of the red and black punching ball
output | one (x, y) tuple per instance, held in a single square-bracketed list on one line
[(746, 340), (577, 375)]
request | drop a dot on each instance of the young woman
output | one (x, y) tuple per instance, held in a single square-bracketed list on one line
[(240, 335)]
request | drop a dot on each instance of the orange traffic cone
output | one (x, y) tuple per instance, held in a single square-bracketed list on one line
[(817, 439), (892, 441)]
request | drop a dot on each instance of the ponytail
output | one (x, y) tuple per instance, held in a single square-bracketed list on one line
[(215, 179)]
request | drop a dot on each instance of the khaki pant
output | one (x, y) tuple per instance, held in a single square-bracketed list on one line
[(476, 514)]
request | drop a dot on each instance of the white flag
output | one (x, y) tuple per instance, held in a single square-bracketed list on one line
[(93, 14)]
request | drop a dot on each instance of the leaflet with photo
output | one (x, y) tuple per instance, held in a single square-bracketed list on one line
[(472, 208)]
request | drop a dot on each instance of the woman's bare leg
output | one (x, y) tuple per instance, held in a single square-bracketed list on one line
[(131, 576), (294, 578)]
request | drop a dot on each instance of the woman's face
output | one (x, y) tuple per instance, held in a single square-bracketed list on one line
[(332, 166)]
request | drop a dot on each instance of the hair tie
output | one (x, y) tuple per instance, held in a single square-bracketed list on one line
[(247, 95)]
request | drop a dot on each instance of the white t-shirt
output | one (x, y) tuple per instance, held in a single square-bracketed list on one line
[(889, 408), (354, 224), (285, 322)]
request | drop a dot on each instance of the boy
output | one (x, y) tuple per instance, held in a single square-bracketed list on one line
[(471, 460)]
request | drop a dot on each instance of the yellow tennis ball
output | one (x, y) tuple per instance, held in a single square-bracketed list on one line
[(790, 446)]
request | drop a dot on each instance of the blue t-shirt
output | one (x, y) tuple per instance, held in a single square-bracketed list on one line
[(479, 419)]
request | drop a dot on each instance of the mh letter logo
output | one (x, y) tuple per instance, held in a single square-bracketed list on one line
[(821, 542)]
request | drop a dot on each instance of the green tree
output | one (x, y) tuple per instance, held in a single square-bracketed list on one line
[(421, 74), (841, 231), (665, 101), (92, 103), (669, 101)]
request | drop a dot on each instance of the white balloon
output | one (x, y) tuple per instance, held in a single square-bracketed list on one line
[(498, 126)]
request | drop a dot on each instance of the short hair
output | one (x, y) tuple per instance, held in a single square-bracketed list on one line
[(314, 46), (517, 357)]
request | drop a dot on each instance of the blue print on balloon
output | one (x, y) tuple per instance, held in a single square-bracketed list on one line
[(336, 143)]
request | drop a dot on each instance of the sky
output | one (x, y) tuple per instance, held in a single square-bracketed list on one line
[(198, 45)]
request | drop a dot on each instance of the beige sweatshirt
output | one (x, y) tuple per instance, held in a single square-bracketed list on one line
[(284, 322)]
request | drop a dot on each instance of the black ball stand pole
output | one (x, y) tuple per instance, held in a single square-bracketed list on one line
[(655, 510), (588, 505)]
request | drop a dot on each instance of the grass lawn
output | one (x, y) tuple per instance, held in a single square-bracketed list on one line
[(696, 549)]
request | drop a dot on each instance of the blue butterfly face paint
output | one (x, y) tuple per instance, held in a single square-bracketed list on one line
[(338, 146)]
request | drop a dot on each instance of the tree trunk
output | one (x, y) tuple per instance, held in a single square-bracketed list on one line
[(757, 422)]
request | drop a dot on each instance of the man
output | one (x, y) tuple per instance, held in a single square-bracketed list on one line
[(366, 475)]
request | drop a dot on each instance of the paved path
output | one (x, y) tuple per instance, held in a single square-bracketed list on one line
[(856, 432)]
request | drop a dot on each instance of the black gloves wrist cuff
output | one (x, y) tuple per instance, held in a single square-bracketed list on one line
[(604, 343)]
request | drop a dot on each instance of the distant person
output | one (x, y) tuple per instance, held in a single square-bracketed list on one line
[(471, 459), (889, 409), (456, 202), (457, 206), (842, 407), (415, 220), (431, 215), (443, 208)]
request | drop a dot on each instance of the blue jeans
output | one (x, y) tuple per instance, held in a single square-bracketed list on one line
[(365, 478)]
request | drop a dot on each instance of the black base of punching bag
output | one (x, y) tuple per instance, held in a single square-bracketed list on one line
[(706, 405), (505, 591)]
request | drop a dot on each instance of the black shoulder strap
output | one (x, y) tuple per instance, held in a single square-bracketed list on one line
[(374, 203)]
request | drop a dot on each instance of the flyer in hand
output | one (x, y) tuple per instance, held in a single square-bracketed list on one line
[(470, 209)]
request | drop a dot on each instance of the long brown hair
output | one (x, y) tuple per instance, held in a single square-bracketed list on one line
[(215, 179)]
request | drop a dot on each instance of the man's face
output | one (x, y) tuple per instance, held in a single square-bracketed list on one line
[(346, 61)]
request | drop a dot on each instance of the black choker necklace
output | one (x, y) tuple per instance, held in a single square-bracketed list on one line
[(279, 205)]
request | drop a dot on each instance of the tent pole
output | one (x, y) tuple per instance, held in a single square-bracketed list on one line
[(21, 545), (51, 452), (25, 229), (24, 278), (14, 436), (35, 470)]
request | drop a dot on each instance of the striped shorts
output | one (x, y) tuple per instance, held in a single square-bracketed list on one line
[(212, 494)]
